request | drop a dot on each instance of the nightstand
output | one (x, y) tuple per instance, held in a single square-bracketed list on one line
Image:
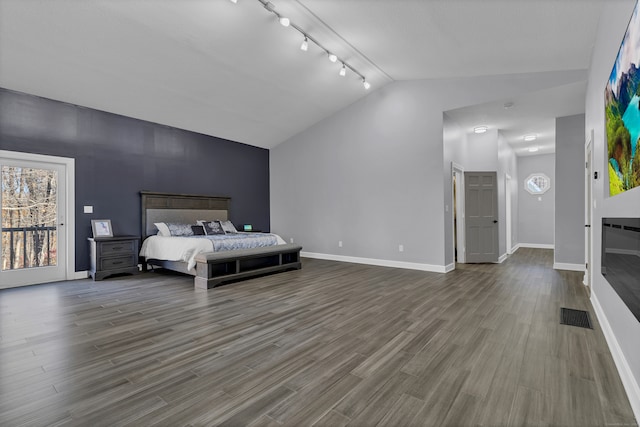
[(113, 255)]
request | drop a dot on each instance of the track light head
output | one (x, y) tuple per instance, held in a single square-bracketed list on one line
[(305, 45), (332, 57), (343, 71), (284, 21), (366, 84)]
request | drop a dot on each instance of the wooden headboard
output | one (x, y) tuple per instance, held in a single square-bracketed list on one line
[(182, 208)]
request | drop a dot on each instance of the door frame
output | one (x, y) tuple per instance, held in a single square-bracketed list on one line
[(588, 212), (508, 219), (458, 213), (70, 220)]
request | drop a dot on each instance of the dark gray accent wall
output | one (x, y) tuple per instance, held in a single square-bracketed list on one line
[(117, 156)]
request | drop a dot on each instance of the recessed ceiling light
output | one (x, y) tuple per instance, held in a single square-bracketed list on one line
[(508, 105), (530, 138), (533, 149), (480, 129)]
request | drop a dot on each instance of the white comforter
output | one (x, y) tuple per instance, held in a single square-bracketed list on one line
[(179, 248)]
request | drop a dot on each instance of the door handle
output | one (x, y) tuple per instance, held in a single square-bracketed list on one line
[(495, 221), (587, 225)]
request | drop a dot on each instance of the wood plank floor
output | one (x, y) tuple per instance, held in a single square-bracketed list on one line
[(333, 344)]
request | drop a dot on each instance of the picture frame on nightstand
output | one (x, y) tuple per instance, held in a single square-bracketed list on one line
[(101, 228)]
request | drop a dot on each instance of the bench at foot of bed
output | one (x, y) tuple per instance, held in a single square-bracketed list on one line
[(214, 268)]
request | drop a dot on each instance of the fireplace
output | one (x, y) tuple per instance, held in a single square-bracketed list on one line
[(621, 259)]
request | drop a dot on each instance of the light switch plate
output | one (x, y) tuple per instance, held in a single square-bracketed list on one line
[(88, 209)]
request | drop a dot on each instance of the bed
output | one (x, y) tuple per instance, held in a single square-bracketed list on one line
[(215, 259)]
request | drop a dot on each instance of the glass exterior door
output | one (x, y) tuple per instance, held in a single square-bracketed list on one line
[(32, 245)]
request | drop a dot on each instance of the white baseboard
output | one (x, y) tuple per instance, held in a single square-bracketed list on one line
[(450, 267), (515, 248), (570, 267), (380, 262), (80, 275), (502, 258), (628, 381), (536, 245)]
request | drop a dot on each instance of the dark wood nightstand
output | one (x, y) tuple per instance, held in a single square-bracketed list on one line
[(113, 255)]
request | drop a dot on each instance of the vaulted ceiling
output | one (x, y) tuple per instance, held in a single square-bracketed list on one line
[(230, 70)]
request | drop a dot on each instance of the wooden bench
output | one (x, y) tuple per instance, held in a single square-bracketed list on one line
[(214, 268)]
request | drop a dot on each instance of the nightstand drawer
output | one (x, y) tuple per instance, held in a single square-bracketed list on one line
[(122, 247), (118, 262)]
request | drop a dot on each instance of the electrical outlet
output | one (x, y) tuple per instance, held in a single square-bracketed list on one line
[(339, 243), (400, 248)]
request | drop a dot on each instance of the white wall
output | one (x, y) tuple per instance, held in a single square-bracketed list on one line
[(536, 212), (569, 203), (618, 323), (373, 175)]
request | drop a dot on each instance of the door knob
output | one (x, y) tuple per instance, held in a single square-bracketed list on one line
[(495, 220)]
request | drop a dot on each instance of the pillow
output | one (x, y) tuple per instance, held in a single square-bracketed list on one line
[(213, 227), (198, 230), (180, 229), (163, 230), (228, 227)]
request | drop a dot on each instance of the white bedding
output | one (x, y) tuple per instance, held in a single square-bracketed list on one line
[(182, 249)]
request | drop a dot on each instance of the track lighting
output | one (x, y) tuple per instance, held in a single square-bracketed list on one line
[(269, 6), (304, 46)]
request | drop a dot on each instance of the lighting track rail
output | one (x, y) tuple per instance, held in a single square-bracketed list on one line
[(286, 22)]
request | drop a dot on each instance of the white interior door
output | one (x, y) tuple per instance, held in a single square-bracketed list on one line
[(481, 216), (34, 243)]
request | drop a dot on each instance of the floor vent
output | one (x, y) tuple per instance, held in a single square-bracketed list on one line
[(571, 317)]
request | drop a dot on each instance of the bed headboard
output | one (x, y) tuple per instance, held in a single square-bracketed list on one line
[(182, 208)]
